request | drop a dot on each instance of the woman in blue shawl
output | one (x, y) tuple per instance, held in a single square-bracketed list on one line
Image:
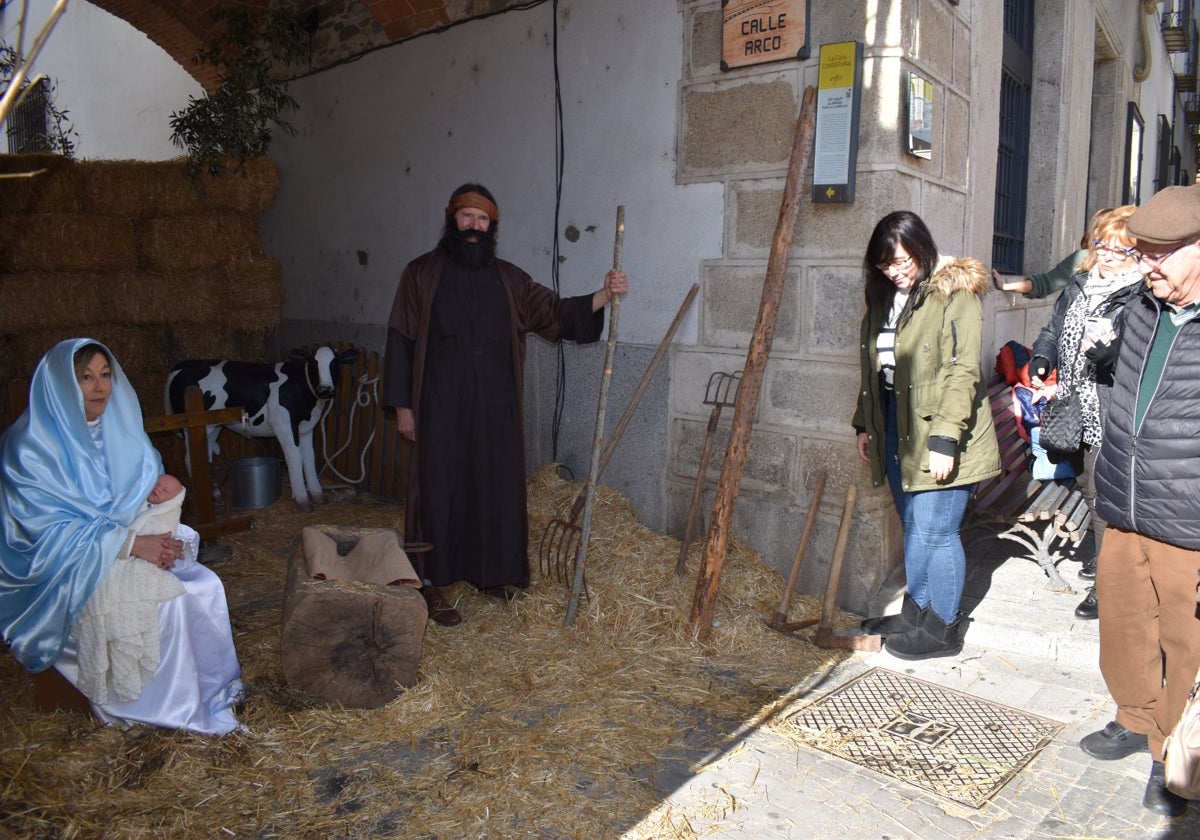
[(76, 470)]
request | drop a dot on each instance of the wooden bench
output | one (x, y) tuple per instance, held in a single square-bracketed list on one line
[(1044, 517)]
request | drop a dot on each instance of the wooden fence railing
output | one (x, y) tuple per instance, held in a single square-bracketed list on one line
[(360, 445)]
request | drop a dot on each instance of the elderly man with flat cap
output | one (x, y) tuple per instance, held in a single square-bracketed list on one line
[(1148, 489), (453, 371)]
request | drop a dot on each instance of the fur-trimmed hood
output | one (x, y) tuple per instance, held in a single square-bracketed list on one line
[(958, 274)]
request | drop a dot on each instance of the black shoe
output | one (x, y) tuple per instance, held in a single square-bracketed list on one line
[(1112, 742), (440, 611), (1088, 572), (1088, 608), (931, 637), (890, 625), (1158, 798)]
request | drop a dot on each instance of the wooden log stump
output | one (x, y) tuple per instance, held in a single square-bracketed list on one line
[(345, 640)]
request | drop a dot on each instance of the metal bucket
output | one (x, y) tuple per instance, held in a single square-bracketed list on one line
[(257, 482)]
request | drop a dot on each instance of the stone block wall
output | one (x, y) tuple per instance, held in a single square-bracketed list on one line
[(736, 128)]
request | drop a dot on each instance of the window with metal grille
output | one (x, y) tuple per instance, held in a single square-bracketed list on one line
[(28, 128), (1012, 154), (1162, 177)]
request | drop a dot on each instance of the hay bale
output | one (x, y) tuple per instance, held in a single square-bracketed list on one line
[(213, 341), (249, 190), (253, 298), (63, 242), (186, 297), (59, 188), (202, 240), (135, 189), (35, 300)]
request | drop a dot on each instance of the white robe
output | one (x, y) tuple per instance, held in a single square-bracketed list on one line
[(196, 677)]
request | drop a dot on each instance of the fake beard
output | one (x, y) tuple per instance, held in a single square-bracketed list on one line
[(471, 254)]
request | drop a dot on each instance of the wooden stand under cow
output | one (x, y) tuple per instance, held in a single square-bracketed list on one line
[(353, 617)]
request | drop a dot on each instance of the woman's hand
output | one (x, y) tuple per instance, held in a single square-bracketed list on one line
[(1039, 369), (1011, 283), (162, 550), (864, 447), (406, 423), (940, 466)]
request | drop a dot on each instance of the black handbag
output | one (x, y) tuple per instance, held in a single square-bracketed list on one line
[(1062, 424)]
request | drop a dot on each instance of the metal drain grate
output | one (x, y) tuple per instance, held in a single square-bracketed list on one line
[(940, 740)]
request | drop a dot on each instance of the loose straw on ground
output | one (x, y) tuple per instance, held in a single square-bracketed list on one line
[(517, 727)]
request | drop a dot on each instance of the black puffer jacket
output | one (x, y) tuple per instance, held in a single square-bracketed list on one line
[(1148, 477)]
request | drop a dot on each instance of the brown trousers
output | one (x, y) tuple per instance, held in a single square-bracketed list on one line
[(1149, 630)]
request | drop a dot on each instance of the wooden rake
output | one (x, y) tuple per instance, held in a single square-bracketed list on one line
[(824, 637)]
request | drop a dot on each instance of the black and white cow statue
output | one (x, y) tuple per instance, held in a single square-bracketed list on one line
[(285, 400)]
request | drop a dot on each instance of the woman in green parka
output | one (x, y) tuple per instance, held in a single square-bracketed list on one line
[(923, 420)]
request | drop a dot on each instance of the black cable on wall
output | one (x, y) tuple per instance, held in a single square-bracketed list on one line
[(560, 384)]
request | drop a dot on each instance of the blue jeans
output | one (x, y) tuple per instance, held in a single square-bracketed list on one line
[(934, 562)]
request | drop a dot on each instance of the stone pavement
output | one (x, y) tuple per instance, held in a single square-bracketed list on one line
[(1025, 649)]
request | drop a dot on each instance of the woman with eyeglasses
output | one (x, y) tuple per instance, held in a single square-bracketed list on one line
[(923, 420), (1080, 341)]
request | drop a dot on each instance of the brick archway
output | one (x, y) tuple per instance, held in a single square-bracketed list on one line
[(181, 26)]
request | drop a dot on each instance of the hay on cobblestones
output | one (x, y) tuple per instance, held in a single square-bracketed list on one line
[(518, 726)]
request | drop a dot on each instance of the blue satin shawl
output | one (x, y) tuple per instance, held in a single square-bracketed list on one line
[(66, 506)]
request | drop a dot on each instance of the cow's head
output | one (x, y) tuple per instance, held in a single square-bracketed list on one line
[(321, 368)]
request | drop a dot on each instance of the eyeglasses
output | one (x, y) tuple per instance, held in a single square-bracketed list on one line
[(1103, 248), (899, 265), (1158, 259)]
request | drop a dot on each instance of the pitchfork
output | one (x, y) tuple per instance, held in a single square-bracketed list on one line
[(589, 493), (716, 394)]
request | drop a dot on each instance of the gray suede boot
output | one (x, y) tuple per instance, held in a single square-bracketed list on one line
[(932, 637), (889, 625)]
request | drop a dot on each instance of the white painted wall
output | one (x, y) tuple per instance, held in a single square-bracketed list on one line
[(118, 86), (1155, 96), (384, 140)]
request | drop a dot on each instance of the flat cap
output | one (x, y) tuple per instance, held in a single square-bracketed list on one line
[(1171, 215)]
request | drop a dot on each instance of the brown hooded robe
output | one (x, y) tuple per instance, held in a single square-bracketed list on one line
[(455, 356)]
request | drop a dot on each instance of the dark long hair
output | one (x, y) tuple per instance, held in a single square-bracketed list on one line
[(83, 357), (902, 227)]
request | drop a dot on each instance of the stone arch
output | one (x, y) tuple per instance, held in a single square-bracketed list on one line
[(181, 26), (178, 31)]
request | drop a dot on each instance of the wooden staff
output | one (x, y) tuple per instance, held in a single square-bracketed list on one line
[(590, 490), (752, 376)]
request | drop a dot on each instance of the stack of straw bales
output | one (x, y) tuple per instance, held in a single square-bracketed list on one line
[(138, 256)]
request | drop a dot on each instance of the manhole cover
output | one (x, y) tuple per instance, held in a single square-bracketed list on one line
[(940, 740)]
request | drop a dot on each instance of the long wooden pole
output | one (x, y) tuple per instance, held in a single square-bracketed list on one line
[(638, 393), (605, 379), (756, 362)]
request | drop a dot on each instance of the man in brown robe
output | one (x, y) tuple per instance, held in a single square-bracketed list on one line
[(454, 372)]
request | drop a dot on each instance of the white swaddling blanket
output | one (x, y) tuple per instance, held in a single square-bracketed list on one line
[(117, 632)]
